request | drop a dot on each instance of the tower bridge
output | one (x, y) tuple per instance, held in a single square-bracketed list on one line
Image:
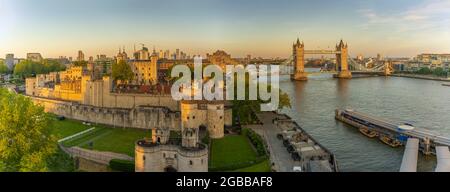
[(345, 65)]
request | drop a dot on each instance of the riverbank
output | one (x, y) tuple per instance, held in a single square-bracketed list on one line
[(426, 77)]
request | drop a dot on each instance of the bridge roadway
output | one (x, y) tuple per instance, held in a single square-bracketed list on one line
[(420, 133)]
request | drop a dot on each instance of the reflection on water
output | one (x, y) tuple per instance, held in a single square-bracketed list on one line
[(425, 103)]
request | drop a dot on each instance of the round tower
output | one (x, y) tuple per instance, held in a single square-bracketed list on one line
[(216, 119)]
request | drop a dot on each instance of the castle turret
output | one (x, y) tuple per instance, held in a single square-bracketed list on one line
[(160, 135), (190, 138)]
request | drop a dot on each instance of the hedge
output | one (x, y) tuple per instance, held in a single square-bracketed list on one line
[(121, 165), (256, 141)]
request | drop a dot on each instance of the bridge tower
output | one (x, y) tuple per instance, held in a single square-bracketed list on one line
[(342, 61), (388, 69), (299, 61)]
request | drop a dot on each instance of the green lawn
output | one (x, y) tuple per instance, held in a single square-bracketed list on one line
[(116, 140), (104, 138), (66, 127), (231, 150), (260, 167)]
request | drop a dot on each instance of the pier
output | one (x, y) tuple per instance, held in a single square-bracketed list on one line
[(393, 134)]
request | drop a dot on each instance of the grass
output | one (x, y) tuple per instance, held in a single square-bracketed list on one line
[(116, 140), (232, 149), (260, 167), (103, 138), (66, 127)]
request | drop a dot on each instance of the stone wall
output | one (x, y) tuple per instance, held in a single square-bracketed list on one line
[(157, 158), (144, 117)]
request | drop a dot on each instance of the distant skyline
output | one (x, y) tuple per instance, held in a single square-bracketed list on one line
[(257, 27)]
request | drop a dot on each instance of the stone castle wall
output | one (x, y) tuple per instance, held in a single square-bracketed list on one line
[(159, 157), (138, 117)]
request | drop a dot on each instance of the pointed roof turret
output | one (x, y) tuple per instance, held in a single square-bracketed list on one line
[(341, 44)]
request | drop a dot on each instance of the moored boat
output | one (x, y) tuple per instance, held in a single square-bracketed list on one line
[(389, 141), (368, 133)]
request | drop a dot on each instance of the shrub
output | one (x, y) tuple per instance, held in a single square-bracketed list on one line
[(256, 141), (121, 165)]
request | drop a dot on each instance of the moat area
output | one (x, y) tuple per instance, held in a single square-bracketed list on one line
[(423, 103)]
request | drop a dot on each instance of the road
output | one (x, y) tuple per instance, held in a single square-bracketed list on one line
[(278, 153)]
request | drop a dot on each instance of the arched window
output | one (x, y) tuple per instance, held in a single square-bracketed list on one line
[(143, 157), (190, 162)]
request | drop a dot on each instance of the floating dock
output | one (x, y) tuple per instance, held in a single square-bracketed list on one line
[(391, 133), (312, 156)]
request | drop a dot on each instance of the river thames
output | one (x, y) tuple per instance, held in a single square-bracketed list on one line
[(423, 103)]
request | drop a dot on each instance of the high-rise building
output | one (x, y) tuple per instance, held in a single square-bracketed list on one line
[(35, 57), (379, 57), (9, 61), (161, 54), (177, 54), (80, 56), (167, 54)]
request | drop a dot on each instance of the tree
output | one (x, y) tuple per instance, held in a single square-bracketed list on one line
[(27, 68), (122, 71), (80, 63), (25, 139), (3, 68), (285, 101), (244, 108), (439, 72)]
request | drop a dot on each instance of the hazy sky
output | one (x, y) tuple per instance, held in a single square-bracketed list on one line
[(257, 27)]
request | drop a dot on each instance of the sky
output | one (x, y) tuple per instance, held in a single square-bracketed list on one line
[(265, 28)]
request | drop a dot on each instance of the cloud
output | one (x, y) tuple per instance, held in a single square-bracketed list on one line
[(429, 15)]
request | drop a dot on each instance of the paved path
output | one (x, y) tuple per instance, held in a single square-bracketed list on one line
[(278, 153)]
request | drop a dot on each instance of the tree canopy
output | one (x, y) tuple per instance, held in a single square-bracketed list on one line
[(440, 72), (244, 108), (3, 68), (27, 68), (122, 71), (80, 63), (25, 139)]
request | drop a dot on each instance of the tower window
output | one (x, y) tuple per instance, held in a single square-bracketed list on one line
[(220, 117), (193, 117), (143, 157), (190, 162), (188, 117)]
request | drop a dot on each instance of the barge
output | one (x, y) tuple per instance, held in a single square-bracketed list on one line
[(393, 134)]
